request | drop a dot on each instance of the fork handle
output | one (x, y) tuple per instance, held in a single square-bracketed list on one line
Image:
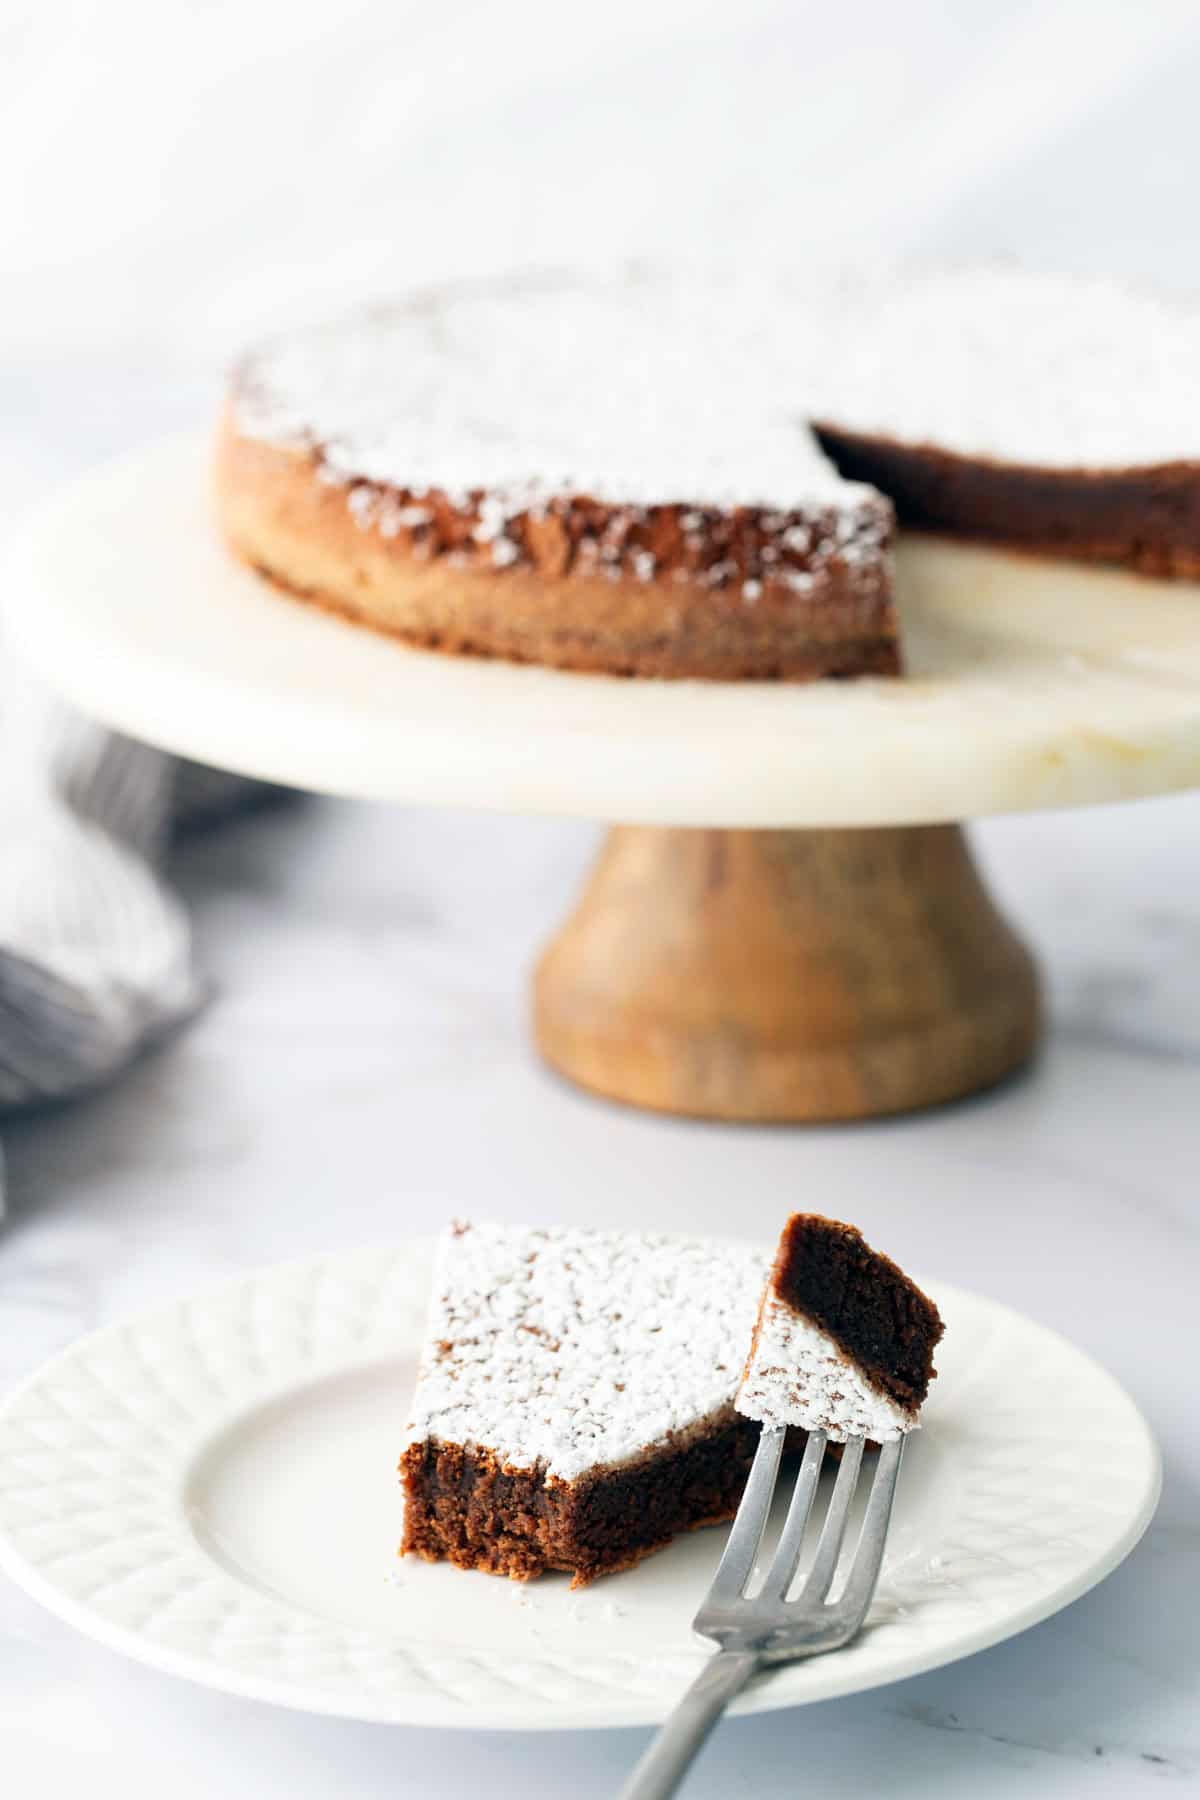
[(669, 1757)]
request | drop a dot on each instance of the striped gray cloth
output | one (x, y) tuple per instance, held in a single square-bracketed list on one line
[(95, 950)]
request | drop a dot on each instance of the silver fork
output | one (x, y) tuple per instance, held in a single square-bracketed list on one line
[(768, 1627)]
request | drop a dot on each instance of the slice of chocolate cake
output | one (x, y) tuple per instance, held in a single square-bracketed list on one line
[(1049, 413), (844, 1340), (574, 1408)]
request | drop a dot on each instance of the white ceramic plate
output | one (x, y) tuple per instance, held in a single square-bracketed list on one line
[(1031, 684), (211, 1490)]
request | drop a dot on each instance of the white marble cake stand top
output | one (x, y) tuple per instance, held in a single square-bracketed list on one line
[(1031, 684)]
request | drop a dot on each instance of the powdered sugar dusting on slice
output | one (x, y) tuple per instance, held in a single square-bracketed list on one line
[(565, 1350), (1039, 370), (798, 1376)]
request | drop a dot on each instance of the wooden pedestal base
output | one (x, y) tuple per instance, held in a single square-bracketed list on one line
[(786, 975)]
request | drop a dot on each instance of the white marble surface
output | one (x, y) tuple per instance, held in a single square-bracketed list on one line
[(175, 178)]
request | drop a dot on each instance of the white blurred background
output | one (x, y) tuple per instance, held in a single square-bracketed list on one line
[(178, 175)]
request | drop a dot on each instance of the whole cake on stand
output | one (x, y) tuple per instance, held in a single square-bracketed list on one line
[(787, 923), (599, 475)]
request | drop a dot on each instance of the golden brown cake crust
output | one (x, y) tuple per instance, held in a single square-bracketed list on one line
[(668, 591)]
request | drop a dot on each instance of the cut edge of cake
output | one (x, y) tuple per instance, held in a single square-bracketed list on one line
[(467, 1507), (1047, 413), (844, 1340)]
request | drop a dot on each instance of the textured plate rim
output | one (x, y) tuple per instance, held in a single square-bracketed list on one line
[(774, 1690)]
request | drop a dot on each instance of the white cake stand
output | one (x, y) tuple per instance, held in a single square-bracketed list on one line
[(773, 964)]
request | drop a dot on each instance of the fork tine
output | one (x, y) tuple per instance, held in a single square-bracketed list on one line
[(745, 1536), (766, 1628), (868, 1554), (820, 1577), (787, 1553)]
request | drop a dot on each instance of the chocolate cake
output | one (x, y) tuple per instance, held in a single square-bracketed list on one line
[(1051, 414), (607, 475), (574, 1407), (843, 1342)]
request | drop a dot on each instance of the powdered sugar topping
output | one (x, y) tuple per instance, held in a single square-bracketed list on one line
[(632, 391), (799, 1377), (567, 1349), (1041, 370)]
